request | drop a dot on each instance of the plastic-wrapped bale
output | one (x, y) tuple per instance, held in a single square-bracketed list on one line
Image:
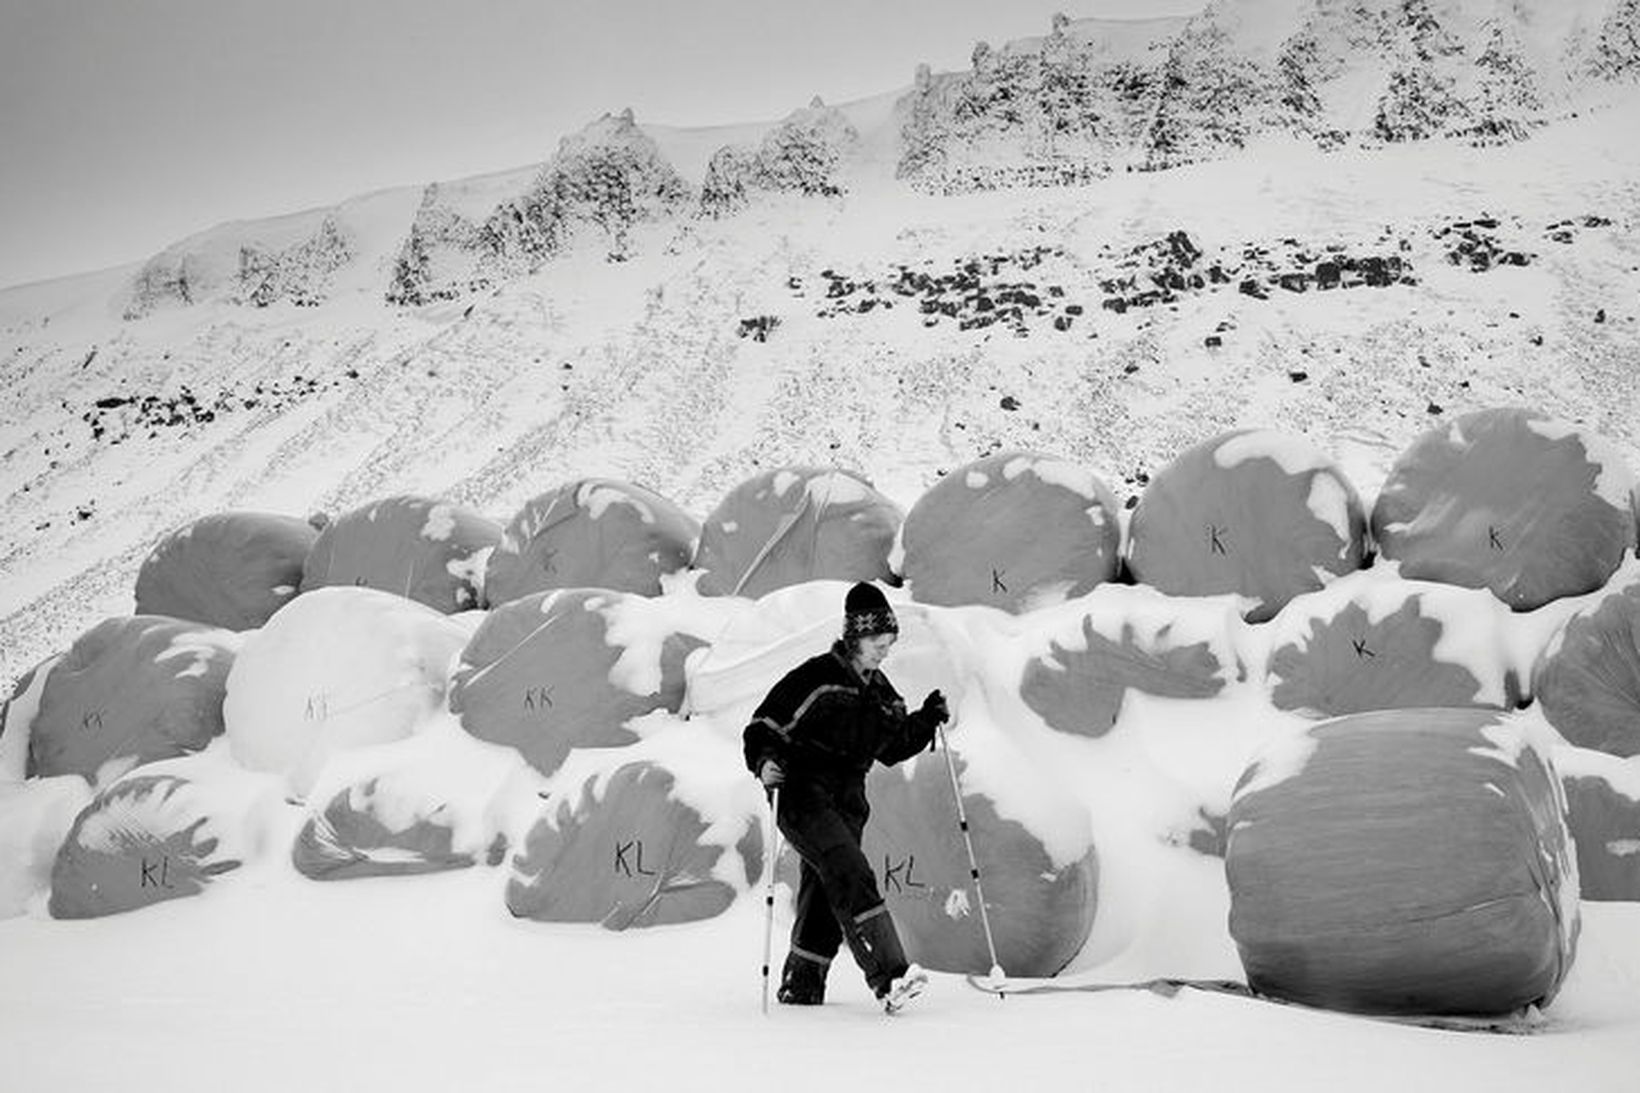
[(143, 840), (1035, 853), (640, 845), (595, 533), (1510, 500), (359, 833), (793, 525), (420, 805), (35, 818), (1603, 814), (1587, 681), (231, 569), (1014, 530), (1254, 513), (130, 691), (1373, 643), (567, 669), (337, 669), (17, 716), (1407, 862), (426, 550), (1119, 640)]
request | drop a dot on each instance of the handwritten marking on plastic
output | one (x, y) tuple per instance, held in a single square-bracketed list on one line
[(899, 877), (631, 866), (1493, 540), (156, 874), (996, 581), (538, 699), (549, 561), (1217, 538), (91, 721), (318, 707), (1361, 650)]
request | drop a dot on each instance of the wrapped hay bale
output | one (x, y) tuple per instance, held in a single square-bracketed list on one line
[(143, 840), (230, 569), (1120, 640), (1370, 643), (1587, 682), (1509, 500), (430, 551), (594, 533), (1034, 849), (637, 838), (1014, 530), (420, 805), (793, 525), (1252, 513), (566, 669), (1407, 862), (337, 669), (129, 691)]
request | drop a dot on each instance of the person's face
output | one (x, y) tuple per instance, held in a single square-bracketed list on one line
[(870, 652)]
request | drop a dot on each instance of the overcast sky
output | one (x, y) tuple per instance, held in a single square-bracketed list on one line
[(126, 125)]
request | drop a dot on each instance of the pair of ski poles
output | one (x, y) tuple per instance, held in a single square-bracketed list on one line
[(996, 972)]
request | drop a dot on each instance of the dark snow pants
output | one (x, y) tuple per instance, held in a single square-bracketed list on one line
[(837, 896)]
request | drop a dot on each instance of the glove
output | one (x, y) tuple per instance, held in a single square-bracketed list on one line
[(770, 774), (934, 706)]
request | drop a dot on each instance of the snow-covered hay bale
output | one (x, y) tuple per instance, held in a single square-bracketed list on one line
[(567, 669), (367, 831), (1603, 815), (420, 805), (1510, 500), (1014, 530), (595, 533), (1588, 680), (35, 818), (337, 669), (1371, 643), (130, 691), (640, 842), (1404, 862), (230, 569), (1121, 640), (1254, 513), (1039, 873), (433, 552), (17, 720), (144, 840), (792, 525)]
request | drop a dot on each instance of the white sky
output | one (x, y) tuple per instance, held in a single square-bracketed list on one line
[(128, 124)]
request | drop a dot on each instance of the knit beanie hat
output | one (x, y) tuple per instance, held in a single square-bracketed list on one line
[(866, 613)]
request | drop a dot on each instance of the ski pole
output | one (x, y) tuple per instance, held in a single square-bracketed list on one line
[(768, 893), (973, 863)]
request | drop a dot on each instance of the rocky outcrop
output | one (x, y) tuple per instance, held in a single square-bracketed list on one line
[(806, 154), (1097, 96), (300, 274), (602, 184)]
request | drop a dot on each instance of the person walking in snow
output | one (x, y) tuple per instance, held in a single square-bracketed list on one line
[(815, 736)]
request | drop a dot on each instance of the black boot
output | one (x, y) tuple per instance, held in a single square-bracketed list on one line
[(875, 944), (803, 980)]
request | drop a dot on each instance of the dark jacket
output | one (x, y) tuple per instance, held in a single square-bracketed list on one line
[(825, 725)]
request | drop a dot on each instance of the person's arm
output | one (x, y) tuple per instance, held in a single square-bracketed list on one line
[(911, 732)]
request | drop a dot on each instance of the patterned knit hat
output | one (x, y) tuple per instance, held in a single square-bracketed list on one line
[(866, 613)]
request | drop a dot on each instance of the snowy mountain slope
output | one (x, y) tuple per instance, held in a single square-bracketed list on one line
[(1352, 293)]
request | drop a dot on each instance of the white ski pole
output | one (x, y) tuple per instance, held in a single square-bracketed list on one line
[(973, 863), (768, 892)]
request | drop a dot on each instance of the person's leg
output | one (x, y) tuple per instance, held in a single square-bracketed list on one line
[(815, 939), (829, 846)]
